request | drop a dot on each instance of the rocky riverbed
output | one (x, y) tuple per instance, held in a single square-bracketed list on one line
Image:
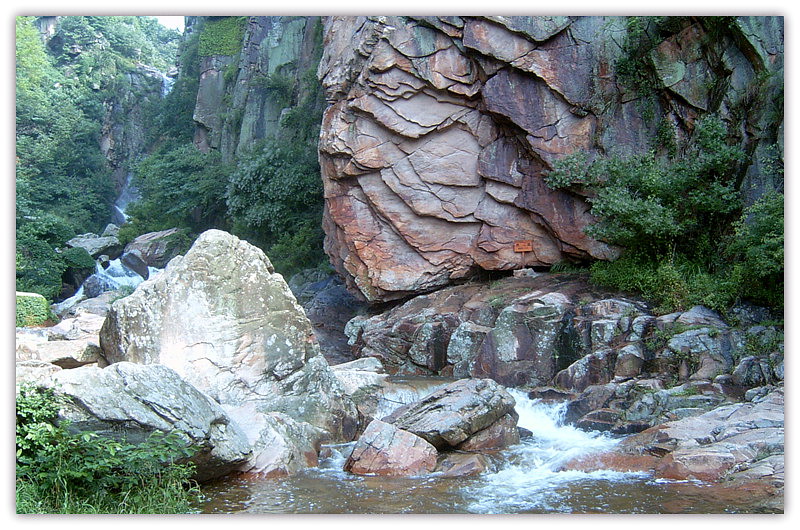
[(218, 348)]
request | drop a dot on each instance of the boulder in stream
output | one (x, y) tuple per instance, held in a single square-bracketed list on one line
[(453, 414), (383, 449), (129, 401), (222, 318)]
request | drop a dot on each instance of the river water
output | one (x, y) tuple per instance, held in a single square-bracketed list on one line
[(526, 478)]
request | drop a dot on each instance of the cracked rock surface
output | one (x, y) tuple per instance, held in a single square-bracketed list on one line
[(439, 130), (229, 325)]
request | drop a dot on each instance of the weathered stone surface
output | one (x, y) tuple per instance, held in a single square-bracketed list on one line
[(155, 249), (130, 401), (63, 353), (552, 329), (438, 133), (449, 416), (83, 325), (383, 449), (96, 245), (226, 322), (500, 434), (719, 442), (280, 446)]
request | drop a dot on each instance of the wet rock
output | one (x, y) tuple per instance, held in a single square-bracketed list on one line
[(449, 416), (132, 259), (462, 465), (602, 419), (226, 322), (384, 449)]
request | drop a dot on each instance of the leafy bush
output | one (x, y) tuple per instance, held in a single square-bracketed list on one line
[(179, 186), (63, 472), (678, 220), (222, 36), (31, 310), (275, 197)]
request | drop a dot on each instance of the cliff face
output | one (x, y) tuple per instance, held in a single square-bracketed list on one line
[(242, 96), (439, 130)]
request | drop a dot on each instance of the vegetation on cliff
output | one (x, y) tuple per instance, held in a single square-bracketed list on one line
[(63, 87)]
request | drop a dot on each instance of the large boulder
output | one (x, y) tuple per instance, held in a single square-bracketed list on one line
[(155, 249), (96, 245), (129, 401), (451, 415), (227, 323), (383, 449)]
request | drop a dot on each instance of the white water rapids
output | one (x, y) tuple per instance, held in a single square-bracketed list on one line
[(526, 478)]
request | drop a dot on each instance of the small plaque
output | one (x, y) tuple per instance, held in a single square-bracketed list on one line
[(523, 245)]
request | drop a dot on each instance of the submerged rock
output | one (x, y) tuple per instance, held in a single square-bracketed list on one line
[(227, 323)]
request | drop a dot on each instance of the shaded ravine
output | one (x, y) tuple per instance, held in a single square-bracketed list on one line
[(526, 478)]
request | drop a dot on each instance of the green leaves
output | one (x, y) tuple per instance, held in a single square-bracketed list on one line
[(63, 472), (674, 217)]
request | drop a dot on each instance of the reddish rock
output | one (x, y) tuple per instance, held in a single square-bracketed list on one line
[(383, 449), (462, 464), (498, 435)]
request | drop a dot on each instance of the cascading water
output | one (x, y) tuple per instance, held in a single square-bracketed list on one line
[(128, 194), (167, 83), (532, 476), (527, 478), (118, 276)]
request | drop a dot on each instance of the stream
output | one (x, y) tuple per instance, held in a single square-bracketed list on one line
[(527, 478)]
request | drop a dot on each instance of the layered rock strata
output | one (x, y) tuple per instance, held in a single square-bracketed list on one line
[(439, 130)]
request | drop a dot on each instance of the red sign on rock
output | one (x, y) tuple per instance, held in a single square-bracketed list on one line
[(523, 245)]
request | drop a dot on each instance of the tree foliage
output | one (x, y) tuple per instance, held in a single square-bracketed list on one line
[(63, 88), (680, 222)]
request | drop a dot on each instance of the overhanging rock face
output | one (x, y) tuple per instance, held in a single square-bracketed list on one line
[(439, 130)]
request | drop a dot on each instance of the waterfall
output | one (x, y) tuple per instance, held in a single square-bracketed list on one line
[(128, 194), (166, 84)]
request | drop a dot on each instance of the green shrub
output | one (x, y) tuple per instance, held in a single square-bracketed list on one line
[(63, 472), (678, 220), (78, 258), (32, 309), (222, 36)]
